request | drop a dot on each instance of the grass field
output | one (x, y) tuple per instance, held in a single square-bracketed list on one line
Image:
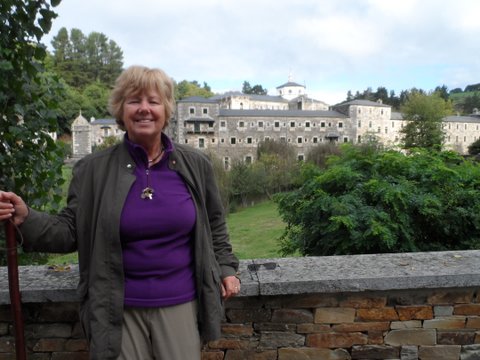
[(253, 232)]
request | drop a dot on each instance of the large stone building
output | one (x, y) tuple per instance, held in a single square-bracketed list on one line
[(233, 124)]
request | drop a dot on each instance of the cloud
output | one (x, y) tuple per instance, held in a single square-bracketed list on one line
[(331, 46)]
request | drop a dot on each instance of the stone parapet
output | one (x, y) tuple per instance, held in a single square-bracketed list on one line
[(391, 306)]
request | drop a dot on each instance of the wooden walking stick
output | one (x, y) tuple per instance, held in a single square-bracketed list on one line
[(14, 287)]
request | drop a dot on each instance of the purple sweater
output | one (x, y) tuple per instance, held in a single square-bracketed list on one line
[(157, 235)]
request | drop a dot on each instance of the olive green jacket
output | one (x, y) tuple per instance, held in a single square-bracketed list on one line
[(91, 224)]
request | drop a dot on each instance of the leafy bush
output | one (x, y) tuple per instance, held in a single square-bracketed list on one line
[(377, 201)]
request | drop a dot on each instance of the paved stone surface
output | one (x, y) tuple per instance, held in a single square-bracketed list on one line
[(330, 274)]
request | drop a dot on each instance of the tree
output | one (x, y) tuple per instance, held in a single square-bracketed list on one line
[(382, 94), (30, 161), (424, 114), (319, 154), (279, 164), (81, 59), (474, 148), (472, 87), (349, 96), (185, 89), (371, 201), (255, 90), (470, 103), (442, 91)]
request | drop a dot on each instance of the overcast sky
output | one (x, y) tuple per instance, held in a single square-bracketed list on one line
[(330, 46)]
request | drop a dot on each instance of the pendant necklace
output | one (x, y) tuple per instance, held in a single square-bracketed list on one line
[(147, 193)]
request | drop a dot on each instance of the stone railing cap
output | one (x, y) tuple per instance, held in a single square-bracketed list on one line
[(301, 275)]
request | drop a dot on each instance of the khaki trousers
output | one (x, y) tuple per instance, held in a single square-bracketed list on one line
[(168, 333)]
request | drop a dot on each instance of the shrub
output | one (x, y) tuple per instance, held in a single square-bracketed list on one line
[(376, 201)]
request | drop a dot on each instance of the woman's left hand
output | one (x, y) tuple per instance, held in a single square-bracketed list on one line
[(230, 287)]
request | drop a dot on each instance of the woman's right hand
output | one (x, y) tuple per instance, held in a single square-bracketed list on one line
[(12, 207)]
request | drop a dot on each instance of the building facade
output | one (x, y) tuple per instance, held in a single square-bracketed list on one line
[(232, 125)]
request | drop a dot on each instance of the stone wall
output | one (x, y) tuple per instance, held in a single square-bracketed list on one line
[(393, 306)]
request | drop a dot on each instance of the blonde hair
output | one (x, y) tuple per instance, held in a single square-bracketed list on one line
[(137, 79)]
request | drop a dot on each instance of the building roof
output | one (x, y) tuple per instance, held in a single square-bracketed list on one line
[(281, 113), (396, 115), (198, 99), (290, 84), (362, 102), (308, 99), (462, 119), (104, 122), (80, 120)]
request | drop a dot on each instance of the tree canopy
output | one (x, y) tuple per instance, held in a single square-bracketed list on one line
[(253, 90), (30, 160), (424, 114), (81, 60), (185, 89)]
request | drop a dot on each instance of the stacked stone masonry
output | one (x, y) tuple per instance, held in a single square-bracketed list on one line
[(396, 306)]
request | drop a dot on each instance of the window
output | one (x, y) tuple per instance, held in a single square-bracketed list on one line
[(370, 124), (260, 124), (222, 124), (359, 139), (241, 124), (307, 124), (299, 140), (201, 143), (386, 130), (300, 157), (276, 124), (315, 139), (283, 139), (345, 139), (340, 125), (249, 140), (248, 159), (222, 141), (226, 163), (186, 141), (292, 124), (322, 124), (359, 124), (233, 140), (205, 111), (191, 111), (213, 140)]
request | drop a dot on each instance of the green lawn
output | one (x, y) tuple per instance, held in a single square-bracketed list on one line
[(253, 232)]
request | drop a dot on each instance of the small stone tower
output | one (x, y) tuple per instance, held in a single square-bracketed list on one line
[(81, 137)]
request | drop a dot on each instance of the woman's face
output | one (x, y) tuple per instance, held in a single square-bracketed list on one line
[(144, 116)]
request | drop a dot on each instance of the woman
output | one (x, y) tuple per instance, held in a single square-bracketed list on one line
[(146, 218)]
